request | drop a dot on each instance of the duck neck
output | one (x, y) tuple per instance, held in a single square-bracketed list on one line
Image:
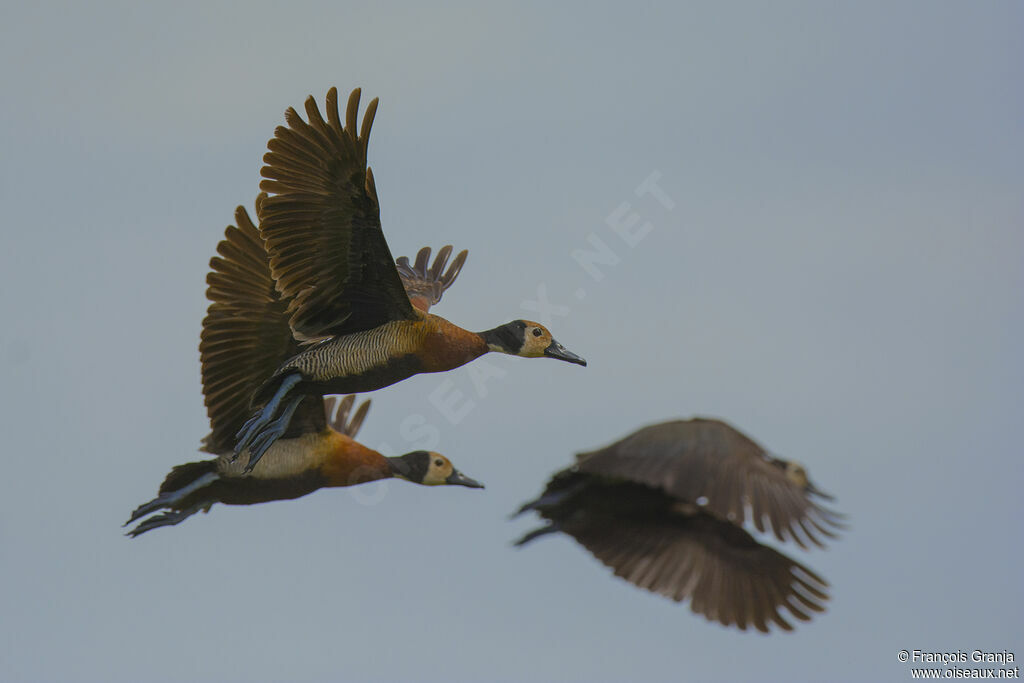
[(501, 339), (447, 346), (352, 463)]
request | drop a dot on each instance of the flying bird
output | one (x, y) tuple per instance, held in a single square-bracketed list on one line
[(245, 336), (345, 296), (664, 508)]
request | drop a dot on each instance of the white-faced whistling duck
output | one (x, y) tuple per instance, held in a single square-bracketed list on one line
[(330, 260), (245, 337), (664, 506)]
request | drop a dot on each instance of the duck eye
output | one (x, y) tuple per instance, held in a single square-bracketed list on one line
[(439, 462), (537, 332)]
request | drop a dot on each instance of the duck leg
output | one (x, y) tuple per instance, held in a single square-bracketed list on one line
[(536, 533), (166, 519), (549, 500), (262, 420), (272, 432), (171, 498)]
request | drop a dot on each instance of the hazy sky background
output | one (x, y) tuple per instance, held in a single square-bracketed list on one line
[(840, 277)]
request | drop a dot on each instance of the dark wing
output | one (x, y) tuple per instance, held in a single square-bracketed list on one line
[(425, 286), (322, 225), (245, 335), (337, 413), (727, 575), (700, 459)]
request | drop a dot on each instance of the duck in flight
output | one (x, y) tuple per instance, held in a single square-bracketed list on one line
[(245, 336), (346, 299), (664, 508)]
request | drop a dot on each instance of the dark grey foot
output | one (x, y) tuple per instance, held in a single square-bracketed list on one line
[(166, 519), (536, 533), (261, 420), (171, 498), (272, 432), (248, 430), (146, 508), (549, 500)]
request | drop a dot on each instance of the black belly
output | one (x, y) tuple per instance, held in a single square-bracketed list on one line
[(251, 490)]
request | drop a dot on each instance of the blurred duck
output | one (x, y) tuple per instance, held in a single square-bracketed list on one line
[(664, 509), (245, 336), (346, 300)]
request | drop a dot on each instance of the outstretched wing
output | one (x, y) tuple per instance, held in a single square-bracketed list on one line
[(426, 286), (337, 412), (245, 335), (678, 550), (321, 225), (709, 462), (727, 575)]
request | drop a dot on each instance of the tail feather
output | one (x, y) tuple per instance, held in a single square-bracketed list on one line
[(182, 475)]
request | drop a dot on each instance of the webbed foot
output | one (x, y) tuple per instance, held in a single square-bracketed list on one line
[(166, 519), (262, 420), (272, 432), (170, 498)]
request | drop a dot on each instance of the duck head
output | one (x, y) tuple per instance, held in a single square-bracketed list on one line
[(430, 469), (797, 474), (530, 340)]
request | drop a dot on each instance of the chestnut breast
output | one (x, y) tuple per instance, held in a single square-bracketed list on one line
[(446, 346)]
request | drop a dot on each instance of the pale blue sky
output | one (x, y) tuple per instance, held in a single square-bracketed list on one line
[(840, 277)]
